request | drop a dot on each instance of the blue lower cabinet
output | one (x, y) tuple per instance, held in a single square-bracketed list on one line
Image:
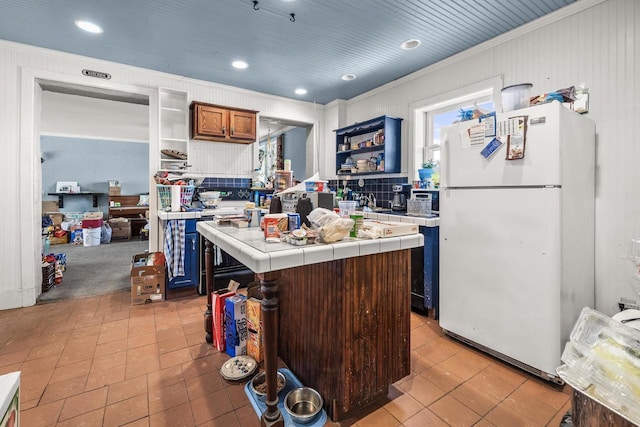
[(191, 272), (431, 267)]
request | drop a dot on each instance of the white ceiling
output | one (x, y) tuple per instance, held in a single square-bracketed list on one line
[(200, 38)]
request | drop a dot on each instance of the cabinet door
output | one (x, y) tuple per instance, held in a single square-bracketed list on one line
[(243, 125), (190, 277), (211, 121)]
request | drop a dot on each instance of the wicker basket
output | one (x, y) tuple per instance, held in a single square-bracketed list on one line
[(164, 195), (420, 207)]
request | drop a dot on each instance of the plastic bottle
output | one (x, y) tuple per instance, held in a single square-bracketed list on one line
[(47, 245)]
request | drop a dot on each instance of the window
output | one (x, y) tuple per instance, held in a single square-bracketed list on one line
[(433, 114)]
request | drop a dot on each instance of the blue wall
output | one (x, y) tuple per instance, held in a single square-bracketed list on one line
[(92, 162), (295, 149)]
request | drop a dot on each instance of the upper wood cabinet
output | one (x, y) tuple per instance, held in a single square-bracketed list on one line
[(216, 123)]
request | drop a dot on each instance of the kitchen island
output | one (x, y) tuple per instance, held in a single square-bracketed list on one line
[(337, 314)]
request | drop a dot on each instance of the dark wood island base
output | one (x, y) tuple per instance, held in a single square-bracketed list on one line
[(345, 325), (339, 321)]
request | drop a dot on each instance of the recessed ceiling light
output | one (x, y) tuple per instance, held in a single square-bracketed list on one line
[(347, 77), (240, 65), (410, 44), (89, 27), (301, 91)]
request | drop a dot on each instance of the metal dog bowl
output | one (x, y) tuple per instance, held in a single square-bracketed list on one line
[(303, 404), (258, 384)]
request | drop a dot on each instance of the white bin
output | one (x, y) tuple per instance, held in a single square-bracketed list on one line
[(91, 236)]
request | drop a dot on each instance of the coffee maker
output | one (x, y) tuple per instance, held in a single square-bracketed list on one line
[(400, 194)]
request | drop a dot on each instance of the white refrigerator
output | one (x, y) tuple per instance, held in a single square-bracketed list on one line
[(517, 237)]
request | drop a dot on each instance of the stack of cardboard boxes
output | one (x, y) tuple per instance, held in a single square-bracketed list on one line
[(237, 322)]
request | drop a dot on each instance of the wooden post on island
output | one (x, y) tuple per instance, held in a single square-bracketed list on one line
[(208, 265), (269, 287)]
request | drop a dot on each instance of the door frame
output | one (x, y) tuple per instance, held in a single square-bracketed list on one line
[(30, 199)]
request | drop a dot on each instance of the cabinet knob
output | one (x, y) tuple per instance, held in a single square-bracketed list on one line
[(232, 130), (224, 130)]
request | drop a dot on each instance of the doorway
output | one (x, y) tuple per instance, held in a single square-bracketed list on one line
[(88, 138), (34, 82), (281, 139)]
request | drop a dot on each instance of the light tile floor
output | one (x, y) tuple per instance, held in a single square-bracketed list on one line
[(99, 361)]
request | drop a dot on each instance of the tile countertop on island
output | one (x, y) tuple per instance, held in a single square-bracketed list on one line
[(248, 246)]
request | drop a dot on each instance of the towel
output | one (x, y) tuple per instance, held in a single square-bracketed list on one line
[(174, 247)]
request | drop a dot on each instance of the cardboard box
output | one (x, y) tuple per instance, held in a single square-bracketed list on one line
[(218, 324), (236, 325), (49, 206), (390, 228), (147, 281), (54, 240), (255, 346), (146, 289), (56, 217), (254, 314), (120, 229), (93, 215), (114, 187), (254, 327)]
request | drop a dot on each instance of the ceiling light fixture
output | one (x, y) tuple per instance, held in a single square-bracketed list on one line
[(301, 91), (240, 65), (348, 77), (410, 44), (89, 27)]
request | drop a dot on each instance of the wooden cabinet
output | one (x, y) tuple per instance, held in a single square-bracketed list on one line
[(376, 140), (217, 123), (137, 215)]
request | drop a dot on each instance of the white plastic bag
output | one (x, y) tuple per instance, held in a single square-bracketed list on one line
[(329, 225)]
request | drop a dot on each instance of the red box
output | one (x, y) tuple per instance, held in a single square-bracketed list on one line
[(218, 308), (92, 223)]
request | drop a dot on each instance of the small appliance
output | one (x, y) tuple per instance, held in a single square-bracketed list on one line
[(318, 200), (424, 193), (400, 193)]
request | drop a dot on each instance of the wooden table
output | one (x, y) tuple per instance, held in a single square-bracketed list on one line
[(337, 313)]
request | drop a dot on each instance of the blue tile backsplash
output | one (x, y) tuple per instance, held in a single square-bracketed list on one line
[(212, 182), (380, 187)]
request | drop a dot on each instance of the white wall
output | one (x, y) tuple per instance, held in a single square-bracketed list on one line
[(598, 46), (93, 118), (19, 118)]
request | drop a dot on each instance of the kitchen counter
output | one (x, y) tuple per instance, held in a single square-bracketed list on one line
[(403, 217), (358, 289)]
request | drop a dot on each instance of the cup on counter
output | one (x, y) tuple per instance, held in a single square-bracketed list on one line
[(253, 216)]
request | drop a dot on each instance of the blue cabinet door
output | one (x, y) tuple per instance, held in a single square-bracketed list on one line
[(431, 267), (191, 275)]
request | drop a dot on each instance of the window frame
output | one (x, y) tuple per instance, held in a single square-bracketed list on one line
[(423, 111)]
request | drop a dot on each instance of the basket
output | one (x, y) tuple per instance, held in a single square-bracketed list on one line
[(419, 207), (164, 195)]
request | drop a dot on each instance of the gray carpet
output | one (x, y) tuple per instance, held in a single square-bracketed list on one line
[(94, 270)]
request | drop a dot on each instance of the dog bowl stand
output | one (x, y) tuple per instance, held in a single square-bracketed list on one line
[(292, 382)]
